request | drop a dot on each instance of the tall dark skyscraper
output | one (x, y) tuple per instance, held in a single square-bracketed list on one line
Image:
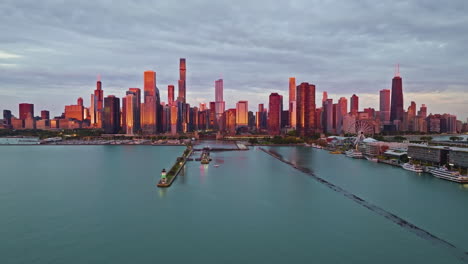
[(111, 115), (182, 81), (25, 110), (354, 104), (305, 103), (396, 108), (7, 118), (275, 109)]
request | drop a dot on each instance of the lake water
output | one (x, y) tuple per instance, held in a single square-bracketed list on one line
[(99, 204)]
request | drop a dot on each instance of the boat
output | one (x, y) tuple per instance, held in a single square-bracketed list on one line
[(412, 167), (216, 165), (445, 174), (352, 153), (372, 159), (335, 152)]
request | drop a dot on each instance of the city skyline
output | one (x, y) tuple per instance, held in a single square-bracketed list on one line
[(342, 58)]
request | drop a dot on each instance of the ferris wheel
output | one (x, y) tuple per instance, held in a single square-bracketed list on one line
[(362, 129)]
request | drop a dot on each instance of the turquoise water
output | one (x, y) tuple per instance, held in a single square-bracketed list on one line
[(98, 204)]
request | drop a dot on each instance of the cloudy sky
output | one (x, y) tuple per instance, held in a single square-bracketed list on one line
[(51, 51)]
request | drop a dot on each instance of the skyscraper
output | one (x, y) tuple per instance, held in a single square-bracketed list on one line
[(131, 112), (242, 114), (25, 110), (423, 111), (7, 118), (396, 108), (150, 108), (182, 81), (219, 102), (305, 116), (385, 106), (170, 94), (97, 104), (137, 122), (275, 109), (328, 116), (111, 115), (354, 104), (292, 102), (343, 102)]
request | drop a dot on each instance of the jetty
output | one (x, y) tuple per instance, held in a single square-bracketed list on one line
[(176, 168)]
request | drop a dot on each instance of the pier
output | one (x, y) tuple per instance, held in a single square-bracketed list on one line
[(176, 168)]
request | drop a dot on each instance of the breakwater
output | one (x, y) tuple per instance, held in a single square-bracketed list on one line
[(458, 252)]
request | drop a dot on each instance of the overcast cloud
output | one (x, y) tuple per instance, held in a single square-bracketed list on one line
[(52, 51)]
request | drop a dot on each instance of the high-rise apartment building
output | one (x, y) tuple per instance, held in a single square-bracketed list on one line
[(292, 102), (354, 104), (242, 114), (25, 110), (111, 115), (305, 102), (275, 109), (219, 102)]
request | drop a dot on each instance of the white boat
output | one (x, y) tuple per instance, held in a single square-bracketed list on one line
[(372, 159), (216, 165), (445, 174), (352, 153), (412, 167)]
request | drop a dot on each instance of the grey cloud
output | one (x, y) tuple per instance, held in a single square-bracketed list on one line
[(343, 47)]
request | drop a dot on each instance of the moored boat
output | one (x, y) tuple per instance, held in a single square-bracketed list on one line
[(445, 174), (335, 152), (412, 167), (372, 159), (352, 153)]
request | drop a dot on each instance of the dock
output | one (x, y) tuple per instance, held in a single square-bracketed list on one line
[(176, 168)]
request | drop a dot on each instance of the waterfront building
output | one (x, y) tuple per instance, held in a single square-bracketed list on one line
[(458, 157), (275, 108), (292, 102), (45, 114), (354, 104), (305, 103), (26, 109), (111, 115), (384, 106), (242, 116), (337, 118), (396, 107), (433, 155)]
